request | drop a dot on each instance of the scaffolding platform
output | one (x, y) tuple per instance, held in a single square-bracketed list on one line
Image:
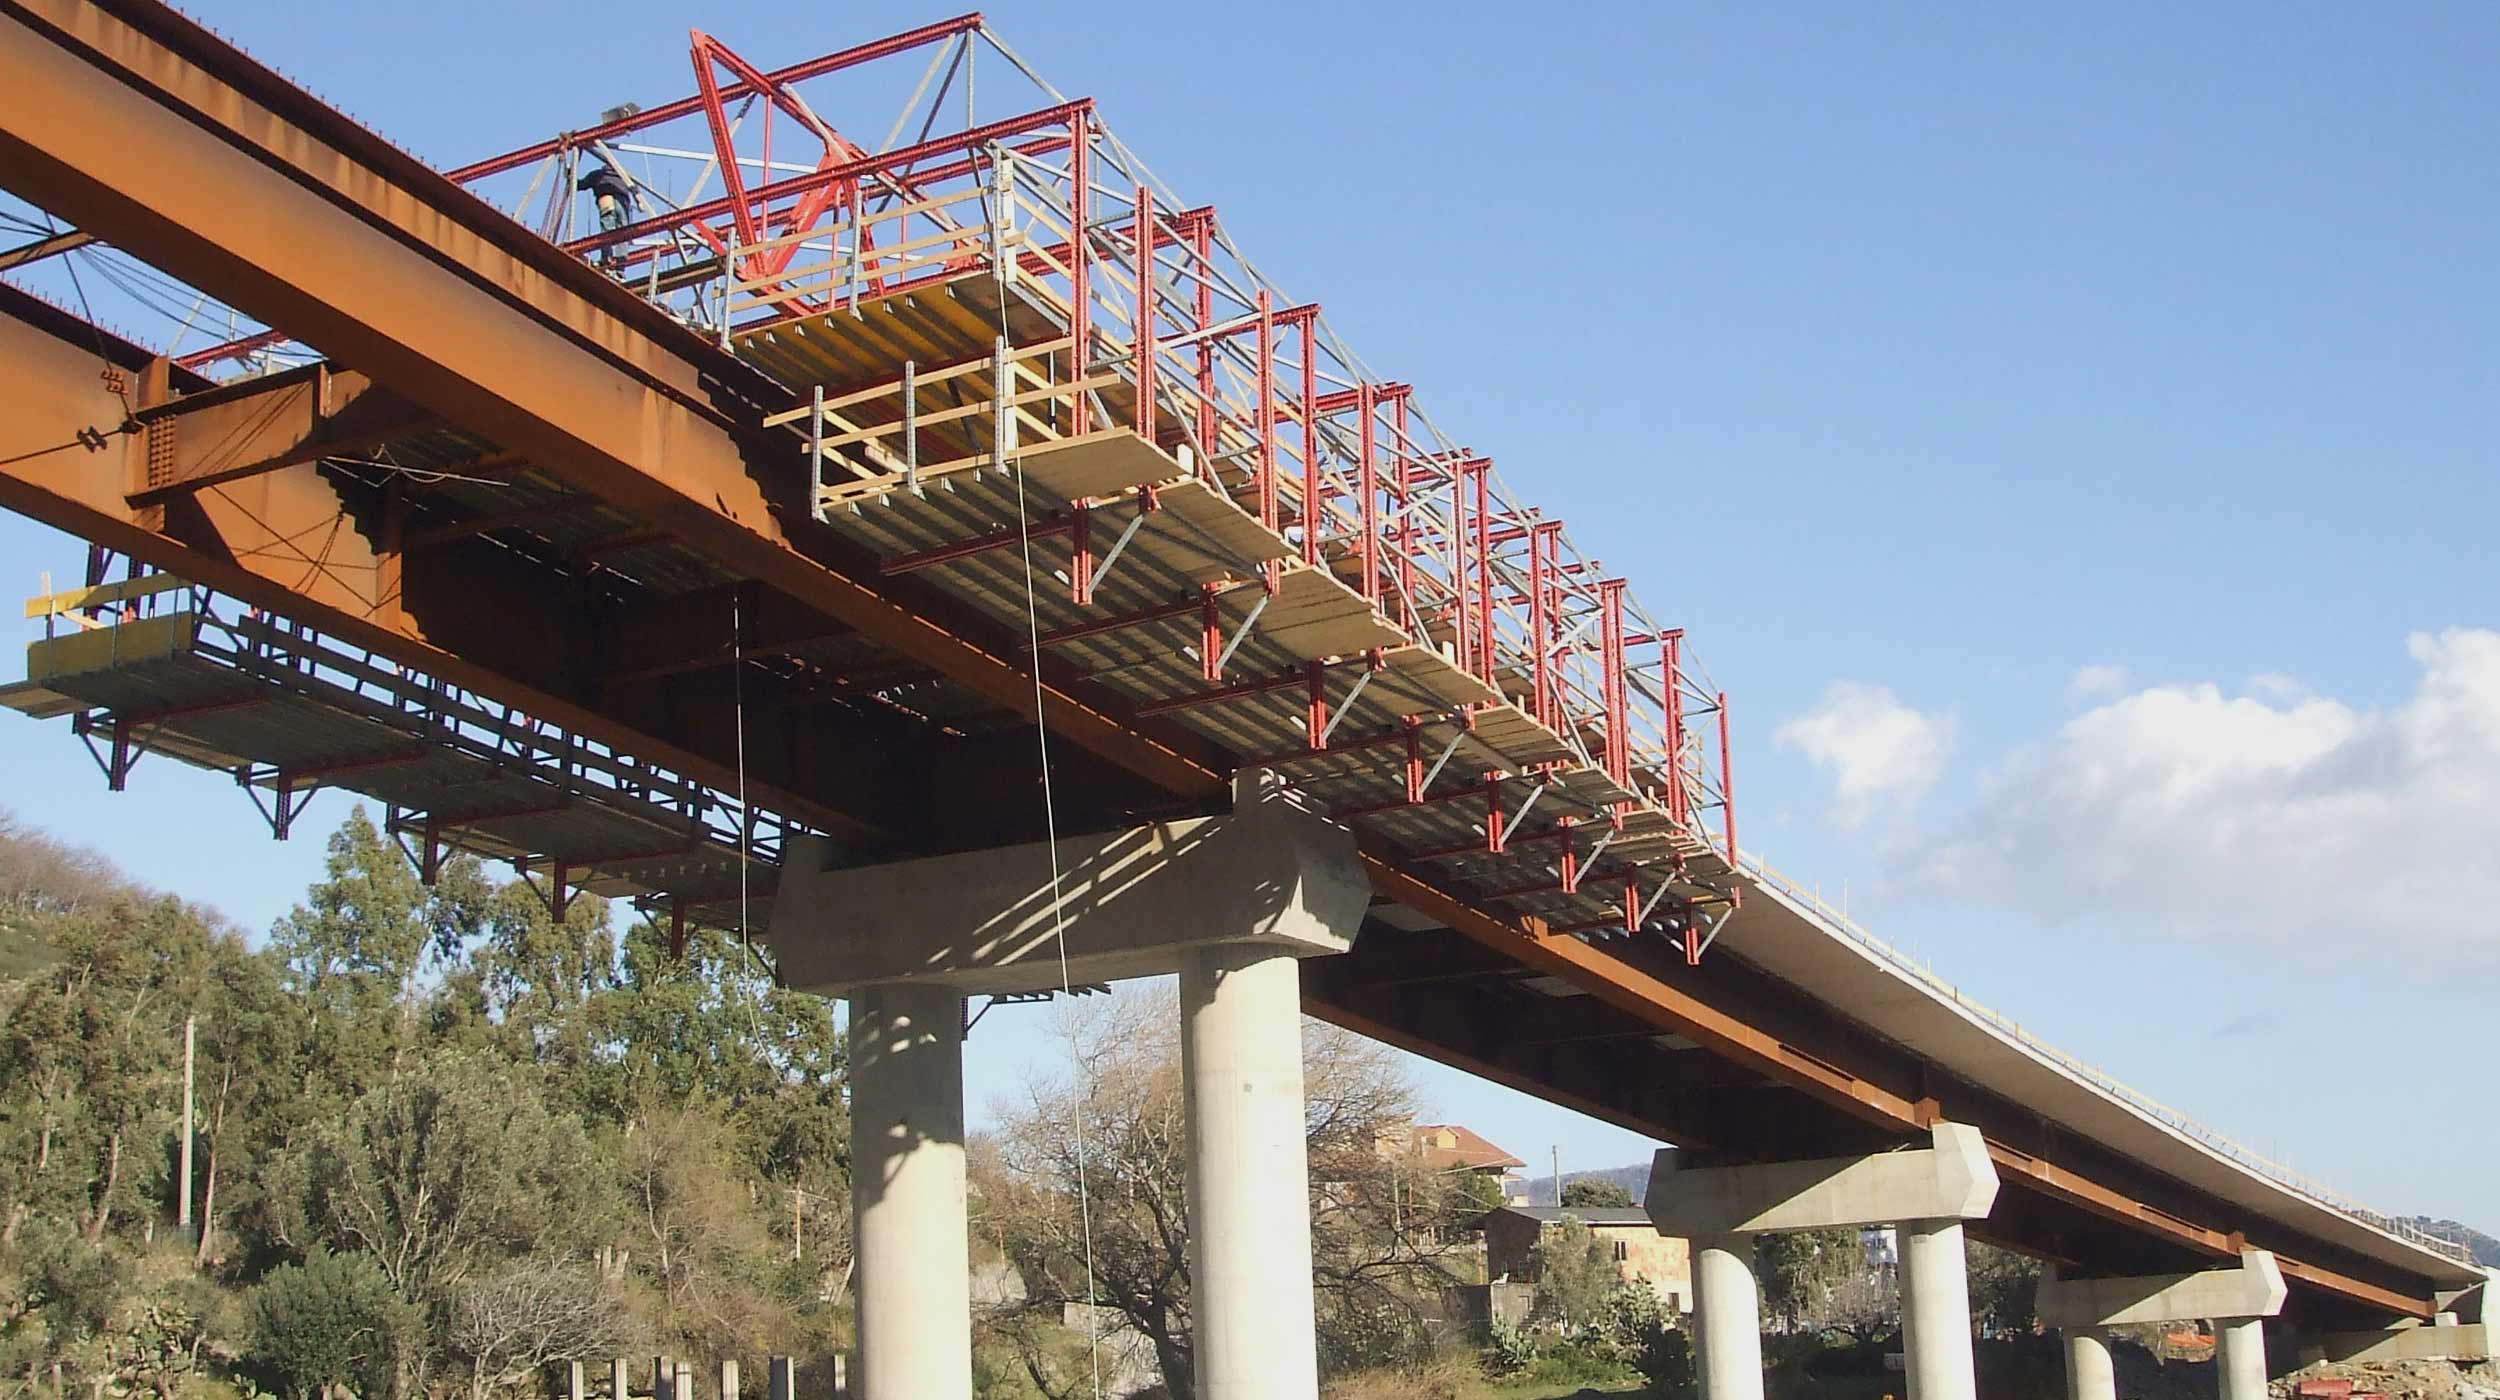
[(288, 713)]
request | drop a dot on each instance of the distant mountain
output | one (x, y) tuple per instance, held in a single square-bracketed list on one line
[(2486, 1249), (1634, 1178)]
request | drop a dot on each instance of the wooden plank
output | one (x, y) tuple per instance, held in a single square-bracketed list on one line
[(1219, 540), (1102, 463), (79, 599)]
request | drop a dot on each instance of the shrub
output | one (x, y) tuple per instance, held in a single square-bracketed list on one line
[(330, 1321), (1509, 1349)]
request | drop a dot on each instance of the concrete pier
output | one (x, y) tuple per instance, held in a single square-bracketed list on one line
[(2240, 1357), (1727, 1318), (2090, 1373), (907, 1174), (1249, 1205), (1935, 1311), (1925, 1193)]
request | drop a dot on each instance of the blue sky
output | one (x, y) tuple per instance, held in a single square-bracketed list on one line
[(1934, 355)]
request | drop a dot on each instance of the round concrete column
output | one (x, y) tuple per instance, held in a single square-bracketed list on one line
[(2240, 1357), (1249, 1201), (1727, 1318), (907, 1193), (2090, 1375), (1935, 1311)]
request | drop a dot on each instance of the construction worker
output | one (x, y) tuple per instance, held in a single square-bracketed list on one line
[(614, 195)]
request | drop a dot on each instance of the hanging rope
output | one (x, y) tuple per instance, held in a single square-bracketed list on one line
[(1050, 805)]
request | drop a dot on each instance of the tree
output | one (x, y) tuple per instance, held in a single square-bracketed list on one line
[(2004, 1289), (1596, 1193), (355, 949), (441, 1174), (1865, 1304), (1575, 1274), (332, 1322), (1119, 1122), (1799, 1270), (518, 1320)]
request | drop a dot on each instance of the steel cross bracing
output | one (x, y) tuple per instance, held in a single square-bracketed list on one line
[(1252, 537)]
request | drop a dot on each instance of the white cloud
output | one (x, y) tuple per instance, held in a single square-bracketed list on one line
[(1875, 747), (2276, 817), (2092, 682)]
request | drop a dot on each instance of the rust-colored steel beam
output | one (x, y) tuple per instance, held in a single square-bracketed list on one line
[(163, 139), (303, 415), (1618, 984)]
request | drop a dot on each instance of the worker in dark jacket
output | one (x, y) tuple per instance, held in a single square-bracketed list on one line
[(613, 193)]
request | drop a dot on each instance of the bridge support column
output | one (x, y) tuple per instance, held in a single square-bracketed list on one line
[(2240, 1357), (907, 1192), (1935, 1311), (1227, 902), (2090, 1373), (2238, 1300), (1727, 1318), (1249, 1207), (1926, 1193)]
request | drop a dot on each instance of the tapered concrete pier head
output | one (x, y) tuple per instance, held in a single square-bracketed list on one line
[(1924, 1193)]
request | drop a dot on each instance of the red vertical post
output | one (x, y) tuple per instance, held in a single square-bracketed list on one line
[(1461, 603), (1265, 425), (1145, 328), (1081, 553), (1486, 670), (1202, 243), (1493, 840), (1539, 621), (1080, 286), (1402, 468), (1672, 645), (1210, 633), (1632, 903), (1618, 715), (1312, 514), (1414, 762), (1367, 482), (1570, 858), (1316, 674), (1727, 782)]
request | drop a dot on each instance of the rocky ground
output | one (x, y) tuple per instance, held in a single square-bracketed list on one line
[(2403, 1380)]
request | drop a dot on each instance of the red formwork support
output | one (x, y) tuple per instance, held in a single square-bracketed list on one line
[(1080, 281), (1144, 330), (1314, 512), (1367, 483), (1401, 469), (1266, 416), (1727, 782), (1496, 580)]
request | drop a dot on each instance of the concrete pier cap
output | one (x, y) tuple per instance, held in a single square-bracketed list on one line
[(2253, 1288), (1950, 1179), (1269, 872)]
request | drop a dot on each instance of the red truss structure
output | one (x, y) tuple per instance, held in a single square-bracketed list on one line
[(1025, 369)]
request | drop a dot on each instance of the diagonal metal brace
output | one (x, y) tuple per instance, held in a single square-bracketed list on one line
[(1242, 633)]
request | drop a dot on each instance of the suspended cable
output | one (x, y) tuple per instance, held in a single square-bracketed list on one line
[(1050, 826)]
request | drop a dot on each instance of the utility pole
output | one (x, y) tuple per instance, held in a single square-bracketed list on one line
[(182, 1210), (1558, 1174)]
